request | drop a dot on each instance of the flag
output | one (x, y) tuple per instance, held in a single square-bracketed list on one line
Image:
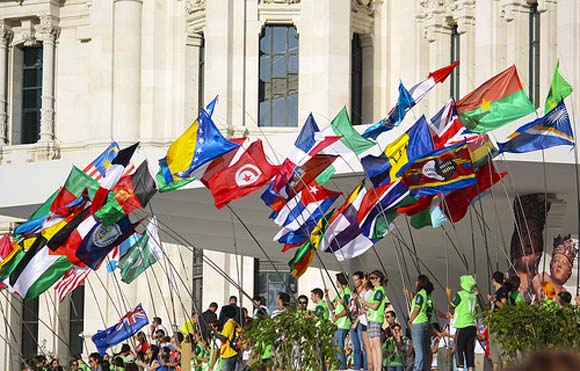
[(376, 202), (114, 173), (307, 203), (98, 167), (97, 239), (121, 249), (68, 238), (458, 201), (37, 270), (310, 141), (343, 237), (416, 93), (559, 90), (498, 101), (72, 279), (351, 142), (413, 144), (301, 177), (199, 144), (238, 179), (552, 130), (131, 192), (441, 171), (432, 216), (144, 253), (127, 326)]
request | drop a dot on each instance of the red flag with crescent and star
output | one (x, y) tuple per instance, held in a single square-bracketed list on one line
[(244, 175)]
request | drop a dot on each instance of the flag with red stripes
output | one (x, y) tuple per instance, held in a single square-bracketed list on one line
[(71, 280), (98, 167)]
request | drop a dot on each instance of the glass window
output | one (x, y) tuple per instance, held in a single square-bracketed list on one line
[(356, 80), (77, 323), (29, 345), (454, 58), (31, 95), (278, 71), (534, 55), (269, 283)]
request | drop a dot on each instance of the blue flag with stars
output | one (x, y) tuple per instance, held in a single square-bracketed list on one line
[(552, 130)]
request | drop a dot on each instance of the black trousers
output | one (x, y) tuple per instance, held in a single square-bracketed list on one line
[(465, 346)]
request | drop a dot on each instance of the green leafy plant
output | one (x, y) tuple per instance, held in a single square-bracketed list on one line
[(525, 328), (298, 340)]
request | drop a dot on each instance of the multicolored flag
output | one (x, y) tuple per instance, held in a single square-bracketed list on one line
[(72, 279), (127, 326), (554, 129), (495, 103), (310, 141), (375, 205), (415, 93), (440, 172), (199, 144), (413, 144), (98, 167), (143, 254), (559, 89)]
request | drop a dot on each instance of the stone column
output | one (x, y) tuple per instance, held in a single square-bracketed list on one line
[(48, 33), (192, 78), (5, 36), (127, 69), (464, 15), (517, 15)]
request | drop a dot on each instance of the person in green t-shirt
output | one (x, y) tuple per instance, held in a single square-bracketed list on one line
[(419, 320), (515, 296), (395, 349), (340, 315), (320, 309), (376, 317), (463, 304)]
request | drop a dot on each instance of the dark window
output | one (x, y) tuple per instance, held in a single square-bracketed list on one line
[(454, 58), (269, 283), (29, 328), (534, 56), (201, 73), (31, 94), (77, 323), (278, 84), (197, 268), (356, 77)]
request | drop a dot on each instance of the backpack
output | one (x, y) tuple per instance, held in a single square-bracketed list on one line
[(236, 342)]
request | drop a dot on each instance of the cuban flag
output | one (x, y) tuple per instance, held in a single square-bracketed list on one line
[(127, 326), (310, 141)]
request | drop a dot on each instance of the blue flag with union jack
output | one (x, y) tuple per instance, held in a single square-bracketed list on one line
[(127, 326)]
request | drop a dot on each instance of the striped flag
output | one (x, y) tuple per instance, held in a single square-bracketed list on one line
[(98, 167), (73, 278)]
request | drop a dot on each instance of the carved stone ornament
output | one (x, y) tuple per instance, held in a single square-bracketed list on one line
[(511, 7), (192, 6), (366, 6), (47, 122), (5, 33), (287, 2), (47, 29)]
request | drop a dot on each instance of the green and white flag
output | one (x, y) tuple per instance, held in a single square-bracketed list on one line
[(351, 142), (143, 254)]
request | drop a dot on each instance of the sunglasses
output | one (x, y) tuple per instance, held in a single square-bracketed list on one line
[(373, 277), (302, 303)]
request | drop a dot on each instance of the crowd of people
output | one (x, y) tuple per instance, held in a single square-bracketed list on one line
[(369, 334)]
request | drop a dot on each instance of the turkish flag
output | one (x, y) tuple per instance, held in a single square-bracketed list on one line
[(242, 177)]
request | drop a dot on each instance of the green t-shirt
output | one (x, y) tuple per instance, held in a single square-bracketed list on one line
[(391, 355), (464, 304), (321, 309), (420, 301), (516, 297), (214, 349), (343, 322), (378, 296)]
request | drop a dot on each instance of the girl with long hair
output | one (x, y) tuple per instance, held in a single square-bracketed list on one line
[(375, 307)]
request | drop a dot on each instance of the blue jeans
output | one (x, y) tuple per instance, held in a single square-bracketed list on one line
[(395, 368), (419, 334), (357, 347), (229, 364), (359, 331), (339, 337)]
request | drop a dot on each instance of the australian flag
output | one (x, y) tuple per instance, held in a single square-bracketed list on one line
[(127, 326)]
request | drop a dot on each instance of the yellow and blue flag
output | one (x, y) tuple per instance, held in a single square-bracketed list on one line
[(552, 130), (201, 143), (413, 144)]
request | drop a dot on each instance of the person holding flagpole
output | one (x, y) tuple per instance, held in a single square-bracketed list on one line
[(376, 316)]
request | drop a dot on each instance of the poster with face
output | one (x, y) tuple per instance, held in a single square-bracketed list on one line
[(561, 265)]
